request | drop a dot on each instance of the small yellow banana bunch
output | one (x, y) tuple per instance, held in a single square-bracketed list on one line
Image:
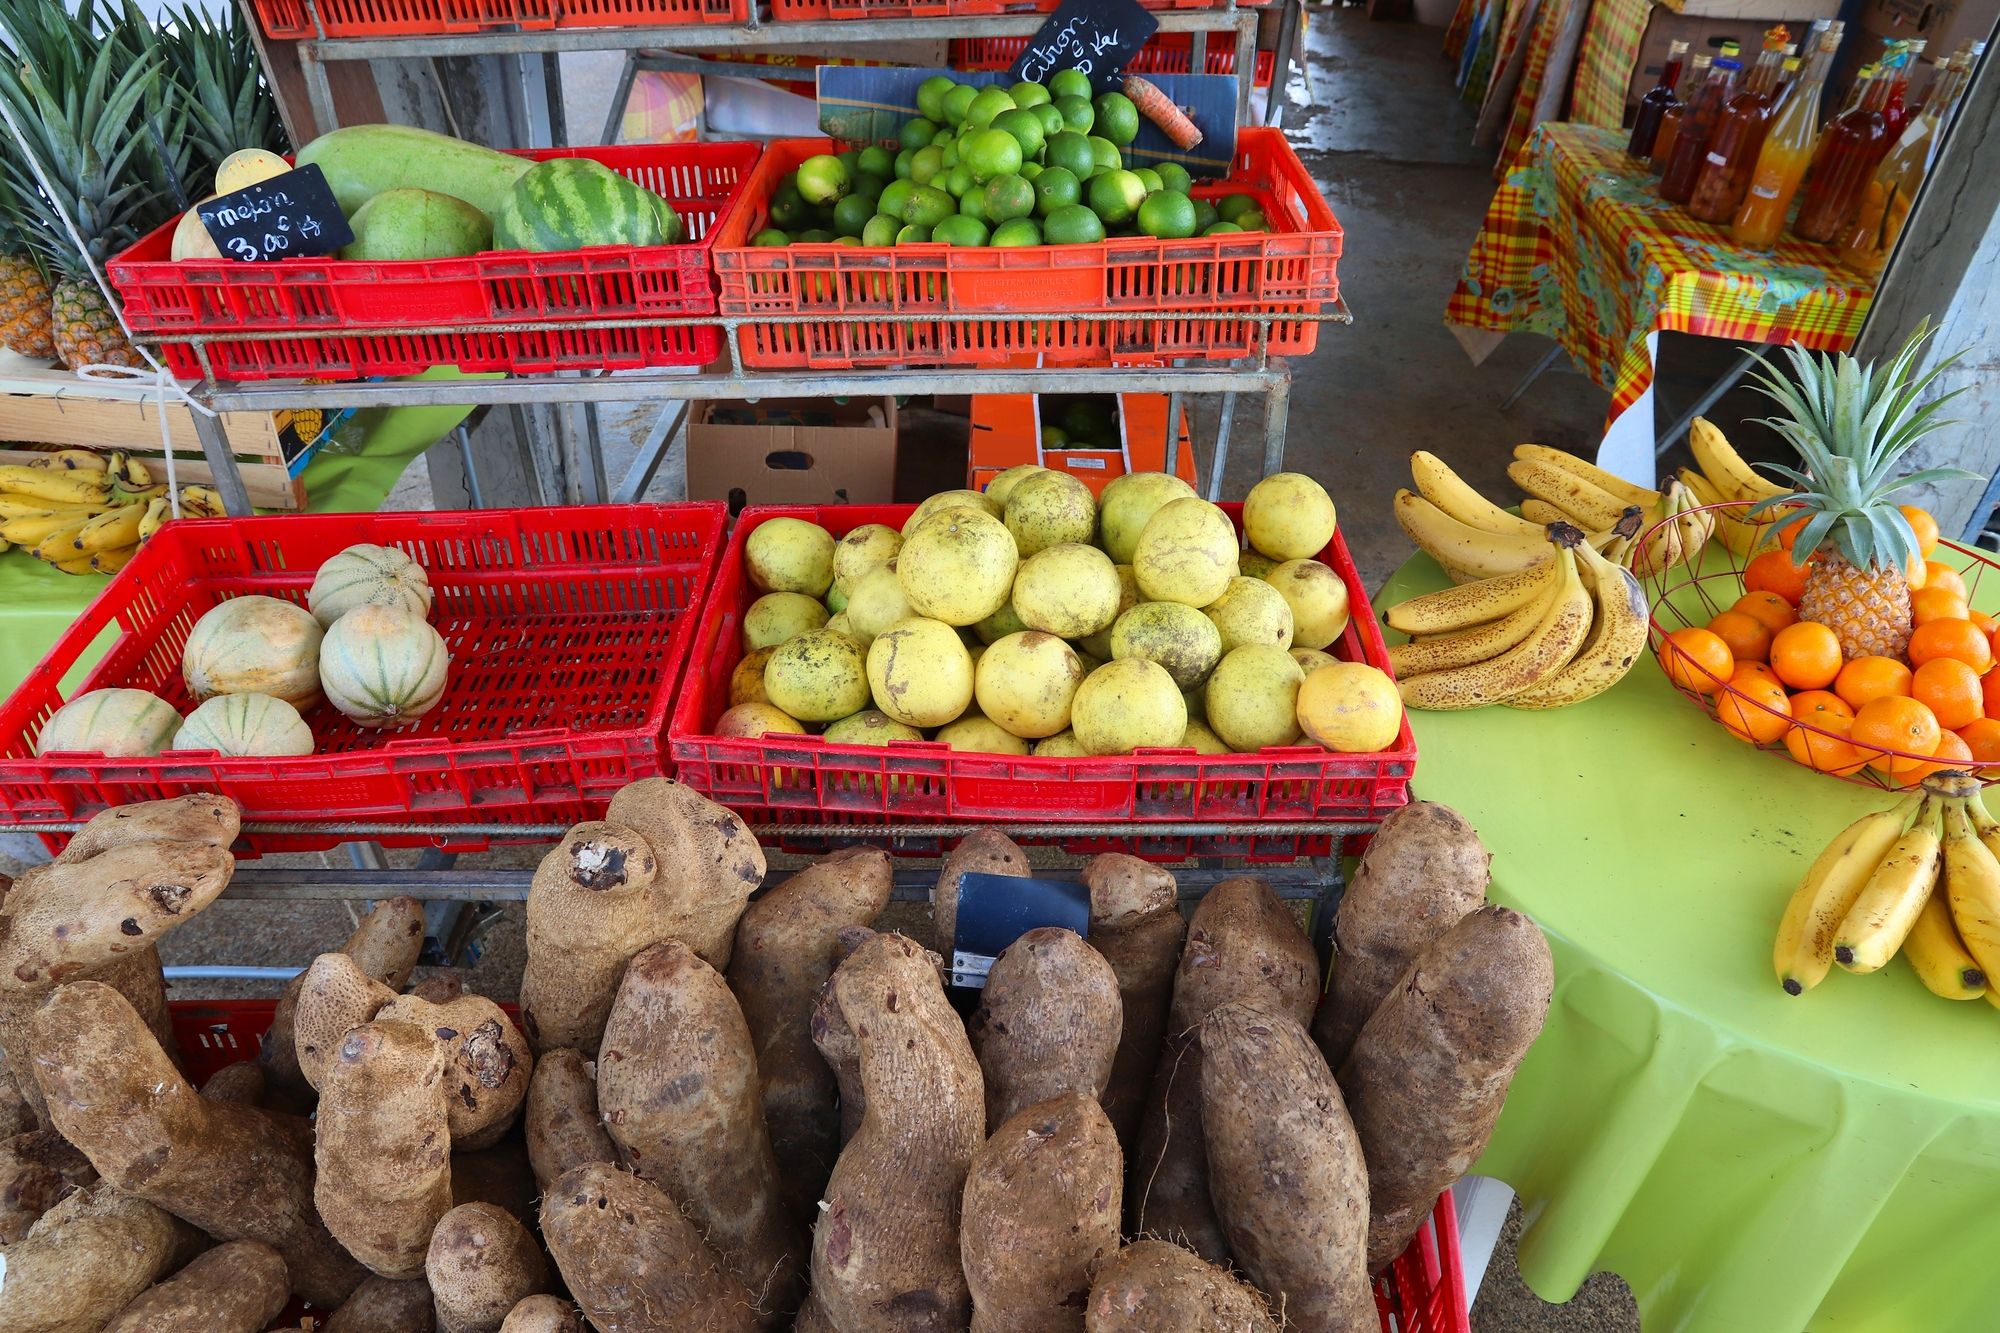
[(1564, 488), (1922, 878), (86, 513), (1723, 477)]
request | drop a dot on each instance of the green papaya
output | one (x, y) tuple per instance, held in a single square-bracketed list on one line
[(361, 161), (409, 223)]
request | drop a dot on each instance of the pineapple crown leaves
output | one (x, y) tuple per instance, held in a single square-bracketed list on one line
[(1851, 425), (212, 75)]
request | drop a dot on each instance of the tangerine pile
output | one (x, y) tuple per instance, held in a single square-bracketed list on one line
[(1776, 678)]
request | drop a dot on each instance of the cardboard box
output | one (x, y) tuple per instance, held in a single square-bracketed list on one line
[(1941, 24), (1705, 29), (793, 451), (1007, 432)]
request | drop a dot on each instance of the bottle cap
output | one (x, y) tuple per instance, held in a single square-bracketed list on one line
[(1724, 62), (1776, 36), (1676, 49)]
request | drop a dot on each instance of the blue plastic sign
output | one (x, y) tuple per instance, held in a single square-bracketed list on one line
[(996, 910)]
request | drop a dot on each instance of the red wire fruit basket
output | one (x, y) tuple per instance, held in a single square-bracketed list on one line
[(567, 629), (1689, 596)]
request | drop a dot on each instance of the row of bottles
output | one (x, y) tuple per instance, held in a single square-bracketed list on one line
[(1884, 203)]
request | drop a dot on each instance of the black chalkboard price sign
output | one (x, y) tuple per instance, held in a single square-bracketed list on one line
[(286, 217), (1095, 37)]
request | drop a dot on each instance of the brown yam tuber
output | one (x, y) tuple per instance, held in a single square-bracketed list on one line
[(677, 1087), (211, 820), (885, 1251), (500, 1175), (242, 1082), (1285, 1169), (1136, 923), (37, 1169), (482, 1263), (237, 1172), (239, 1287), (385, 946), (983, 852), (84, 1261), (334, 996), (1428, 1074), (1243, 944), (381, 1305), (1043, 1202), (633, 1262), (487, 1064), (561, 1122), (16, 1115), (1424, 869), (442, 986), (784, 953), (590, 908), (543, 1314), (1047, 1023), (1152, 1286), (835, 1042), (384, 1148), (709, 862)]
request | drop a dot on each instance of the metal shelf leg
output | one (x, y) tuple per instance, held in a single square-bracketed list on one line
[(1219, 463), (1277, 407), (227, 477)]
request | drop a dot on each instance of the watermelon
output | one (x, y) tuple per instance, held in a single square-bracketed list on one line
[(569, 203)]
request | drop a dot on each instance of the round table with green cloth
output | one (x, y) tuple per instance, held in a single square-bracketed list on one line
[(1749, 1162)]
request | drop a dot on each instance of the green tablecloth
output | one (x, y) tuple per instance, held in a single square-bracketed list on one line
[(1748, 1161), (38, 603)]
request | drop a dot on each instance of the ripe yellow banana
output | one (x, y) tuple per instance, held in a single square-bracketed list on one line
[(202, 502), (54, 485), (110, 532), (1548, 647), (1972, 883), (1719, 461), (1462, 547), (1743, 536), (1594, 507), (137, 475), (32, 529), (1626, 492), (71, 460), (1939, 957), (1617, 637), (158, 510), (1453, 609), (60, 545), (5, 546), (1441, 652), (1436, 482), (12, 507), (1887, 906), (1541, 511), (1675, 536), (110, 562)]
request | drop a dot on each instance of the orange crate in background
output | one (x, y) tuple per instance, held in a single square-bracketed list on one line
[(293, 19), (1007, 432)]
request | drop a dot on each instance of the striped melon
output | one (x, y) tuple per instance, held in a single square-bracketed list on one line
[(568, 203), (369, 575), (382, 666), (254, 645), (121, 724), (244, 725)]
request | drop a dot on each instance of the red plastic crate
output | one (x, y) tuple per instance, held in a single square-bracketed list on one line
[(1210, 282), (293, 19), (921, 780), (568, 629), (325, 301), (1166, 53)]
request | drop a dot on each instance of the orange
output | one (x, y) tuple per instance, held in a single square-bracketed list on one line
[(1989, 689), (1866, 679), (1916, 573), (1774, 571), (1958, 639), (1950, 689), (1940, 575), (1806, 656), (1753, 708), (1761, 671), (1982, 738), (1748, 638), (1819, 738), (1893, 723), (1987, 625), (1697, 659), (1952, 752), (1924, 526), (1788, 535), (1928, 604), (1769, 609)]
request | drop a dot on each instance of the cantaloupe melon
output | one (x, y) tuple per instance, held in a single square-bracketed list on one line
[(368, 575), (120, 724), (383, 667), (245, 725), (254, 645)]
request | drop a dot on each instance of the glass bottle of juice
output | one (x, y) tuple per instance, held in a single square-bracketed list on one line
[(1894, 114), (1848, 153), (1646, 125), (1788, 143), (1691, 145), (1885, 203), (1670, 121), (1732, 150)]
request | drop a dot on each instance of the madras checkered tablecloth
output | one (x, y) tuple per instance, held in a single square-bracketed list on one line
[(1578, 246)]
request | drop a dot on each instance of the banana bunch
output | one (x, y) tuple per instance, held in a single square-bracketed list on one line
[(1721, 476), (86, 513), (1472, 538), (1565, 628), (1564, 488), (1922, 877)]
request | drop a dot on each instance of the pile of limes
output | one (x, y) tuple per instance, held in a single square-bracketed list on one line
[(1026, 165)]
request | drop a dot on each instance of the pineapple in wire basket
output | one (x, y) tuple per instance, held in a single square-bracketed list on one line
[(1851, 425), (25, 299)]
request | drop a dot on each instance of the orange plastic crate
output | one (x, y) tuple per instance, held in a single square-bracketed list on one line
[(1166, 53), (1006, 432), (1216, 285), (294, 19)]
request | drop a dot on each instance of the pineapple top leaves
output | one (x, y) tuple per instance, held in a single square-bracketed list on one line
[(1851, 426)]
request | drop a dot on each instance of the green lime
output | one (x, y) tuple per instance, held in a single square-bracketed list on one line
[(1017, 231), (972, 204), (1232, 206), (1117, 118), (913, 235), (960, 230), (1168, 215), (1221, 229), (991, 153), (1115, 196), (895, 195), (929, 206), (847, 240), (1149, 178), (1091, 418), (1173, 176), (1105, 153), (851, 214), (1026, 127), (947, 152), (1031, 170), (1052, 119), (868, 185), (817, 236), (986, 104), (1054, 437), (1205, 215), (1069, 83), (956, 101), (770, 236), (823, 179), (1056, 187), (903, 164), (1070, 151), (958, 180), (1009, 197), (925, 165), (850, 158), (788, 209), (917, 132), (1073, 225), (930, 96), (1027, 94), (1254, 220), (1077, 113), (881, 230)]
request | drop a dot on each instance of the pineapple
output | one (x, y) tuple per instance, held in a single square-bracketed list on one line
[(25, 303), (1851, 426)]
